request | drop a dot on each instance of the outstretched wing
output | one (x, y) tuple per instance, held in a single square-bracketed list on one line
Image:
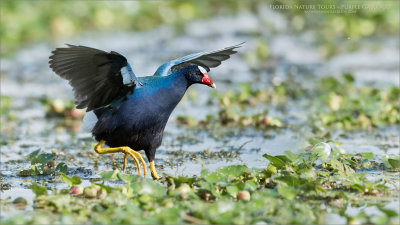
[(205, 59), (97, 77)]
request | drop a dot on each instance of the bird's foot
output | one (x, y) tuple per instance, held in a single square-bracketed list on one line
[(127, 151), (134, 154), (153, 171)]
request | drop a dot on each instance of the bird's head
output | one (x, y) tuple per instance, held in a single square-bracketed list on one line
[(198, 74)]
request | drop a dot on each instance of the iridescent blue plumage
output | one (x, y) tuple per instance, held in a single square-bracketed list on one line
[(139, 121), (126, 110)]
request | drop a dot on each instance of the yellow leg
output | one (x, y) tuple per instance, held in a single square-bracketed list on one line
[(125, 162), (153, 171), (124, 149)]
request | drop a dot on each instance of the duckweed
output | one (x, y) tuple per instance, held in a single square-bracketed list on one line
[(308, 185), (332, 103), (42, 164), (342, 105)]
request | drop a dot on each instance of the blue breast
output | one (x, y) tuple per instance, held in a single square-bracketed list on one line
[(152, 103)]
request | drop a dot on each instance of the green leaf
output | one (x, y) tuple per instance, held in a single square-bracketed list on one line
[(205, 173), (251, 185), (388, 212), (358, 187), (351, 162), (128, 178), (234, 170), (271, 170), (290, 180), (38, 190), (111, 175), (321, 189), (314, 141), (105, 187), (287, 191), (290, 155), (149, 187), (169, 216), (394, 163), (367, 155), (62, 167), (275, 161), (25, 173), (33, 154), (35, 171), (343, 169), (206, 187), (322, 149), (232, 190), (349, 78), (307, 173), (216, 177), (183, 180), (284, 158), (43, 158), (75, 180)]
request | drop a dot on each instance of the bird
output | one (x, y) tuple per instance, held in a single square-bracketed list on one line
[(126, 112)]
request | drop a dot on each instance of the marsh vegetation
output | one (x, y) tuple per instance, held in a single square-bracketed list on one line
[(303, 128)]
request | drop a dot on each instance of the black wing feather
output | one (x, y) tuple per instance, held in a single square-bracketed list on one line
[(95, 75), (205, 59)]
